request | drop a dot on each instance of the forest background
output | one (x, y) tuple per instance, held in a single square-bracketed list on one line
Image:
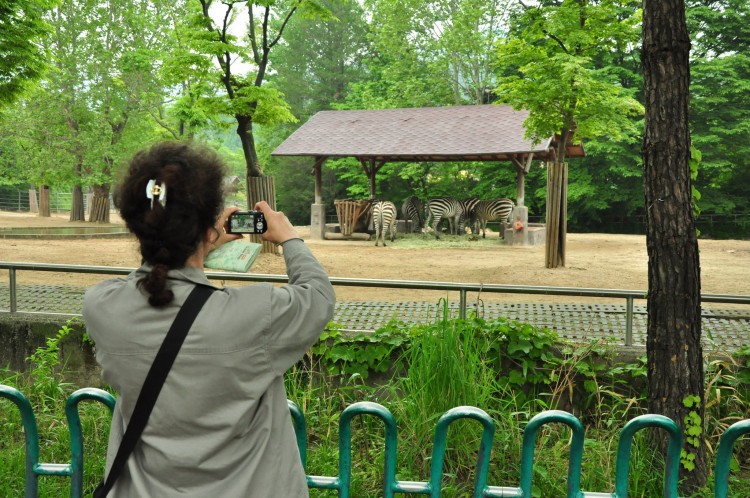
[(120, 75)]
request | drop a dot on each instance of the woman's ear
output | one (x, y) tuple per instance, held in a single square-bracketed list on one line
[(210, 236)]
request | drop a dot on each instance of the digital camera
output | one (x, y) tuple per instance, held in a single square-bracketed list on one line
[(252, 222)]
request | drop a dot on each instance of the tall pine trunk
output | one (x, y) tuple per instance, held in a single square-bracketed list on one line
[(673, 345)]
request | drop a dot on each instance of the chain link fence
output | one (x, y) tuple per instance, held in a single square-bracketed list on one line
[(20, 200), (60, 201)]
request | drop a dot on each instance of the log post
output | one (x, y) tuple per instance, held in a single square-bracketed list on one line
[(262, 188), (318, 210), (44, 207)]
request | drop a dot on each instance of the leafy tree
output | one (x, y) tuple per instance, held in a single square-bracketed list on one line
[(175, 84), (431, 52), (548, 68), (249, 98), (673, 343), (720, 115), (425, 54), (95, 49), (22, 58), (67, 86), (313, 69)]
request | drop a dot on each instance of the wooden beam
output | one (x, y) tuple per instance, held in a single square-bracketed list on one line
[(365, 167), (529, 160)]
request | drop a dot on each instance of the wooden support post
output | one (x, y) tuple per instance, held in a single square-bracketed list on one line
[(520, 186), (318, 173), (522, 169), (318, 209)]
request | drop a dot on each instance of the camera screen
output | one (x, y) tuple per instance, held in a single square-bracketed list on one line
[(252, 222), (242, 223)]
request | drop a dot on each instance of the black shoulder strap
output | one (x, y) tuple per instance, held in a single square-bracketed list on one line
[(155, 378)]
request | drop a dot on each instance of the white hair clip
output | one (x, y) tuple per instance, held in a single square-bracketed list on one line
[(159, 192)]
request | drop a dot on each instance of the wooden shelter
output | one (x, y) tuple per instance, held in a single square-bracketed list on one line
[(429, 134)]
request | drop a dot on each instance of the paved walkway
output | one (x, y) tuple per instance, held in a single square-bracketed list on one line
[(723, 328)]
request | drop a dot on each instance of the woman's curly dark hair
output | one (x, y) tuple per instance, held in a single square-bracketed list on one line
[(170, 234)]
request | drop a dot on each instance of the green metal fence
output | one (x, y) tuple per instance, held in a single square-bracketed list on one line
[(391, 486)]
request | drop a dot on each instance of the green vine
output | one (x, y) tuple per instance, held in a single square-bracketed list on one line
[(359, 354), (693, 431)]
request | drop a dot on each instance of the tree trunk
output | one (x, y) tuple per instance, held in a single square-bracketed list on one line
[(99, 210), (44, 201), (259, 187), (262, 188), (245, 132), (673, 344), (557, 214), (76, 205), (33, 202)]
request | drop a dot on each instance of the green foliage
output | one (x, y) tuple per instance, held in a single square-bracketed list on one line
[(695, 160), (359, 354), (45, 373), (22, 56), (550, 70), (142, 71), (463, 361), (44, 385), (693, 431)]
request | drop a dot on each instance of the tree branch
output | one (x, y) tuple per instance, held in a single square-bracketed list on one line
[(253, 42), (283, 25)]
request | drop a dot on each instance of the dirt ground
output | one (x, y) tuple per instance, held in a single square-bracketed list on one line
[(593, 261)]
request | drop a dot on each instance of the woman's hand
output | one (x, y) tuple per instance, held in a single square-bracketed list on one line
[(279, 229), (219, 236)]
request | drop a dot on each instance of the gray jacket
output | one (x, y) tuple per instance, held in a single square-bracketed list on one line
[(221, 426)]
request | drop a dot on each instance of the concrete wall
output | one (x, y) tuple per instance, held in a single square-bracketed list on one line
[(21, 334)]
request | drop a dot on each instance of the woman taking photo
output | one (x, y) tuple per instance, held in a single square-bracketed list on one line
[(220, 426)]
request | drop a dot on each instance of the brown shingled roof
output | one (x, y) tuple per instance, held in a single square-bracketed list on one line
[(475, 132)]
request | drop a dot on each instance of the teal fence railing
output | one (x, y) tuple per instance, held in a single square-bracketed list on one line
[(391, 485)]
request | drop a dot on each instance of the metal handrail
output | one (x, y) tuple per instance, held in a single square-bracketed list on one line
[(461, 287)]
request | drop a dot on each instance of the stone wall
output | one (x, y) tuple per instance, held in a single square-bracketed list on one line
[(21, 334)]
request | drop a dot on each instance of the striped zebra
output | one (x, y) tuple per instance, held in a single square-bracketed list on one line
[(384, 219), (469, 217), (444, 207), (412, 211), (494, 210)]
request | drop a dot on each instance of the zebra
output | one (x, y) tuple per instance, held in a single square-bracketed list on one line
[(444, 207), (412, 210), (384, 219), (469, 217), (494, 210)]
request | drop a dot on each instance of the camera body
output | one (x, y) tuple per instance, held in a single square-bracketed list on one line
[(251, 222)]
